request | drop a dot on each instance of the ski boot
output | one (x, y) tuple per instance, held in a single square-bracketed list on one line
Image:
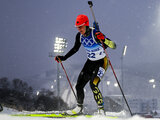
[(76, 111), (100, 112)]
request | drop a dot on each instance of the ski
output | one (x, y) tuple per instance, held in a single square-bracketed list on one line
[(59, 115)]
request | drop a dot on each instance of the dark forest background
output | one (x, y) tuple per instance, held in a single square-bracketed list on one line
[(19, 95)]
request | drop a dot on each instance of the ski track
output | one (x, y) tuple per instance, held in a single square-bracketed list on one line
[(8, 117), (7, 112)]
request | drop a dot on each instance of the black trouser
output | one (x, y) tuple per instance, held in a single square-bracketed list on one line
[(92, 71)]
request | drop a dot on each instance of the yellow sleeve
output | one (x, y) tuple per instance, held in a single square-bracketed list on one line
[(110, 43)]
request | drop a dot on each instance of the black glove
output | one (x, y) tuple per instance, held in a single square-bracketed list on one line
[(60, 58)]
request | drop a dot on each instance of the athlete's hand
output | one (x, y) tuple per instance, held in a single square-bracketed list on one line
[(60, 58), (100, 36)]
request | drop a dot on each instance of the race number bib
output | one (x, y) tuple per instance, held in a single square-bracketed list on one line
[(101, 72)]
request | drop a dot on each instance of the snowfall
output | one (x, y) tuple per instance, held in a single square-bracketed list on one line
[(7, 113)]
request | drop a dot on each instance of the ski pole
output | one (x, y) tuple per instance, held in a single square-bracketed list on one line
[(91, 4), (117, 79), (68, 79)]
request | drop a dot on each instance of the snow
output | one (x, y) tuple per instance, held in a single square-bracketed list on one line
[(7, 112), (8, 117)]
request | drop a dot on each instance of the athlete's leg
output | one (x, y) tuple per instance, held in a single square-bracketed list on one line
[(81, 82), (98, 73)]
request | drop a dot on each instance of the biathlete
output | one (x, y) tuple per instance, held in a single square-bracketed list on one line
[(95, 66)]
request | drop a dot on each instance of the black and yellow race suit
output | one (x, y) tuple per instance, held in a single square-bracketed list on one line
[(95, 66)]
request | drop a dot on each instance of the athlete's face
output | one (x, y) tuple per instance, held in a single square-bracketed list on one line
[(82, 29)]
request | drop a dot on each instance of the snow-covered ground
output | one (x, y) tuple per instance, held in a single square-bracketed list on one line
[(6, 115)]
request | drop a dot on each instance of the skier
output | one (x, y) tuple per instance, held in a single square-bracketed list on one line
[(95, 66)]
